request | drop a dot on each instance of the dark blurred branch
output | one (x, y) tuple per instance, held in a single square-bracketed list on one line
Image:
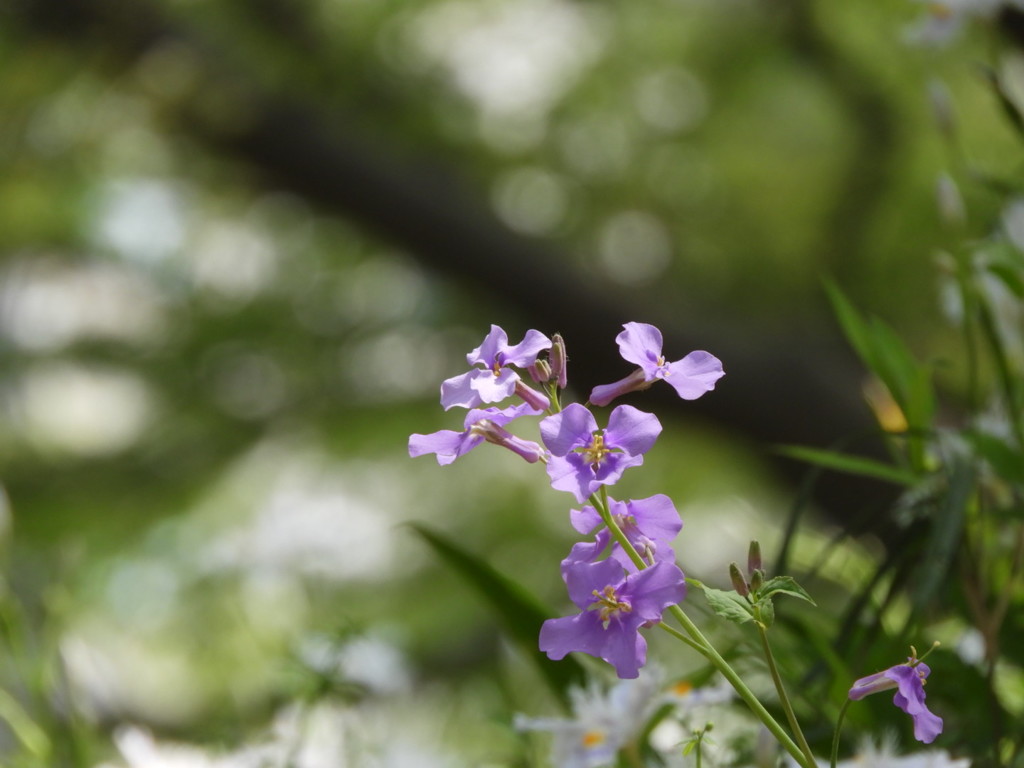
[(780, 389), (870, 155)]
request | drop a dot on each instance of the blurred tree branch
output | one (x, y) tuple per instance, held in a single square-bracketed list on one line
[(793, 387)]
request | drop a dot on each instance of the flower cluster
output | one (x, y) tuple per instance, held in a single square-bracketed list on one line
[(624, 577)]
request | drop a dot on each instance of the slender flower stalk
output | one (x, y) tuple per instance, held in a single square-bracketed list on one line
[(696, 640), (787, 707)]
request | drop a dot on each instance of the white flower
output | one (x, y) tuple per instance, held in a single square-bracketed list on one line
[(602, 723)]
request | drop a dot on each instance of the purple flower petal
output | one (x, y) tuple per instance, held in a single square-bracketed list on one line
[(910, 698), (632, 430), (447, 444), (614, 605), (559, 637), (572, 475), (641, 343), (908, 679), (655, 517), (611, 468), (525, 352), (493, 388), (493, 344), (568, 429), (695, 374), (585, 520), (656, 588), (586, 551), (581, 582), (458, 391)]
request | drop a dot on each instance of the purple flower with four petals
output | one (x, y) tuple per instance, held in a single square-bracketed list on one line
[(613, 605), (650, 524), (494, 381), (641, 343), (583, 458), (908, 680), (481, 425)]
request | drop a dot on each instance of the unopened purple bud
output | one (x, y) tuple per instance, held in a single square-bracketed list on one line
[(492, 433), (540, 371), (559, 360), (535, 399), (754, 557), (738, 582)]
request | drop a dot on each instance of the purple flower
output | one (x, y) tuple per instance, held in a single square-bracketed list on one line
[(641, 343), (494, 381), (613, 607), (480, 425), (585, 458), (650, 524), (908, 680)]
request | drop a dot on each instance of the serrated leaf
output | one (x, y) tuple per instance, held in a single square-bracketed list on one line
[(785, 585), (520, 613), (729, 605), (855, 465)]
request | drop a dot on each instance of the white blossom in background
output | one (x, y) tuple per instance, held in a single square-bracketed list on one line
[(319, 736), (602, 721)]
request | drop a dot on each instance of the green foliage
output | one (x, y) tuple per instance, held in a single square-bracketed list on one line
[(520, 614)]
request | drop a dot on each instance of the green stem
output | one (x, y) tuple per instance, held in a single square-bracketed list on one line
[(787, 707), (839, 728), (762, 714), (701, 644)]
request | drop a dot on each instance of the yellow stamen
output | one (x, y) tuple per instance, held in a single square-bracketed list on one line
[(596, 451), (593, 738), (682, 688)]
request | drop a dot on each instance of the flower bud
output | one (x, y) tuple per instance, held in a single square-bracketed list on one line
[(738, 582), (559, 360), (756, 580), (754, 557), (540, 371)]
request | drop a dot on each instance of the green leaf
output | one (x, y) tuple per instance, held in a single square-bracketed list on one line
[(729, 605), (1005, 96), (944, 535), (785, 585), (855, 465), (885, 355), (1007, 461), (1009, 276), (519, 612)]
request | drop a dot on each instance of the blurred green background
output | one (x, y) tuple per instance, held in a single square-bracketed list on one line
[(243, 241)]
